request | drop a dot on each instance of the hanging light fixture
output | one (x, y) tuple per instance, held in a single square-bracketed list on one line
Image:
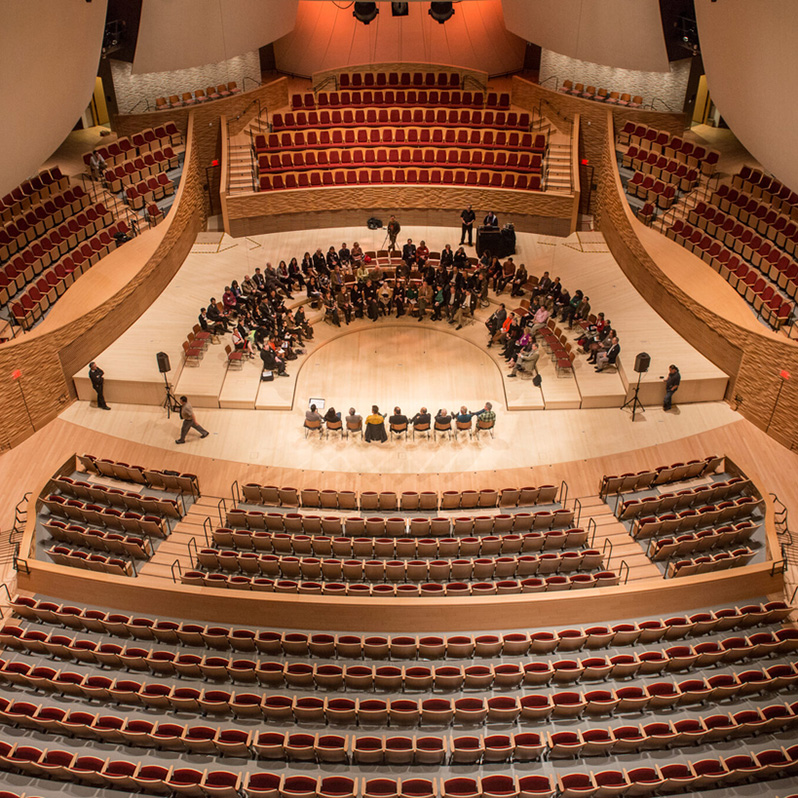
[(365, 12), (440, 12)]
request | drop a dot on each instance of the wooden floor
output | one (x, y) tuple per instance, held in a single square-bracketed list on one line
[(582, 261)]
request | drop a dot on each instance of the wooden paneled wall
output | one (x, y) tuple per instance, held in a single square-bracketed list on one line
[(48, 360), (752, 360)]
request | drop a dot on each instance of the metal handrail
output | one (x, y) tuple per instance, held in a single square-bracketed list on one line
[(18, 563), (195, 559), (235, 493), (207, 526), (19, 512), (179, 568), (562, 495), (321, 86), (577, 511), (778, 566), (481, 86), (607, 542), (659, 99), (555, 78), (221, 504), (591, 532), (253, 80), (617, 504), (792, 597), (620, 571), (142, 100)]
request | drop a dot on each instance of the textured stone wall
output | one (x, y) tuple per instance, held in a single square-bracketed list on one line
[(753, 360), (665, 90), (48, 361), (139, 92)]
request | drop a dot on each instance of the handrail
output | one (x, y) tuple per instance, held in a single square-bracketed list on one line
[(792, 597), (206, 526), (333, 78), (481, 86), (591, 525), (18, 563), (142, 100), (620, 571), (19, 521), (253, 80), (655, 99), (577, 511), (5, 587), (555, 78), (778, 567), (562, 496), (235, 493), (179, 568), (617, 504), (195, 559), (221, 504), (607, 543)]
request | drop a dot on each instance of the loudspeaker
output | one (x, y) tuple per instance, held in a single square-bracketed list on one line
[(642, 362), (163, 362)]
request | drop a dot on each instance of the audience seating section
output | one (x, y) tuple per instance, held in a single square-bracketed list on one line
[(601, 95), (187, 98)]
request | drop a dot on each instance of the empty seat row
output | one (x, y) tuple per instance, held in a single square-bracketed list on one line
[(187, 99), (671, 523), (354, 81), (661, 167), (407, 135), (285, 496), (356, 646), (108, 517), (75, 558), (360, 177), (133, 500), (780, 197), (403, 590), (711, 563), (325, 545), (379, 158), (437, 711), (31, 192), (453, 117), (155, 478), (151, 164), (667, 548), (398, 570), (670, 145), (401, 97), (600, 95), (631, 482), (144, 141), (134, 546), (758, 214), (653, 190), (148, 191), (715, 491), (377, 526)]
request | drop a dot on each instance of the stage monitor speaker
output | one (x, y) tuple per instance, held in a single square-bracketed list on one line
[(163, 362), (642, 362)]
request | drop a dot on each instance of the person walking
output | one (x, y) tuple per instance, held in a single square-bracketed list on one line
[(96, 375), (393, 230), (189, 421)]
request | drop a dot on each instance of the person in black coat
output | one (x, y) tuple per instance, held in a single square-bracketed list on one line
[(96, 375), (272, 362)]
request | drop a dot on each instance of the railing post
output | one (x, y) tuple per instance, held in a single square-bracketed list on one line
[(235, 493), (222, 504), (207, 527)]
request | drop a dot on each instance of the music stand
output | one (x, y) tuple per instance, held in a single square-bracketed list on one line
[(170, 402), (633, 401)]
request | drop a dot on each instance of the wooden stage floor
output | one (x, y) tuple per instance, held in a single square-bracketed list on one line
[(582, 261)]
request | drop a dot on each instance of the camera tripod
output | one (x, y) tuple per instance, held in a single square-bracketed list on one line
[(170, 402), (634, 401)]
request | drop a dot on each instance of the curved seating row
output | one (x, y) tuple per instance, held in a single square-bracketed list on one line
[(107, 517), (351, 646), (556, 521), (711, 563), (457, 589), (324, 545), (355, 81), (709, 515), (641, 480), (31, 192), (657, 167), (147, 140), (671, 523), (131, 500), (437, 711), (150, 164), (333, 569), (395, 117), (350, 177), (780, 197), (665, 502), (256, 493), (425, 678), (668, 548), (670, 145), (187, 99), (75, 558), (153, 477), (140, 548), (402, 97), (397, 749), (653, 190)]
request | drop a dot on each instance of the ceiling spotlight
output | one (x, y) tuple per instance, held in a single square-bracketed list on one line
[(400, 9), (365, 12), (440, 12)]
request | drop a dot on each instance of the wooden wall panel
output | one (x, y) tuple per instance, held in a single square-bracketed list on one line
[(48, 360)]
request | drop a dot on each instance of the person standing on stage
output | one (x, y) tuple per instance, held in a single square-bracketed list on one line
[(96, 375), (393, 230), (189, 421), (671, 386), (467, 218)]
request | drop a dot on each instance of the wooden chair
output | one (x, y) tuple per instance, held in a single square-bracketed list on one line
[(439, 427), (398, 429), (421, 428), (354, 427), (463, 426), (234, 357), (311, 426), (485, 425), (335, 426)]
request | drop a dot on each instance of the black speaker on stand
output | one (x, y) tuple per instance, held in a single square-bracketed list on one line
[(170, 402), (642, 362)]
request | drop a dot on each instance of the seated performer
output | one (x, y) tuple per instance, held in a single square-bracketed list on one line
[(375, 426)]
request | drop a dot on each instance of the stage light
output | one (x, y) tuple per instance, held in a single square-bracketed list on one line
[(400, 9), (365, 12), (440, 12)]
